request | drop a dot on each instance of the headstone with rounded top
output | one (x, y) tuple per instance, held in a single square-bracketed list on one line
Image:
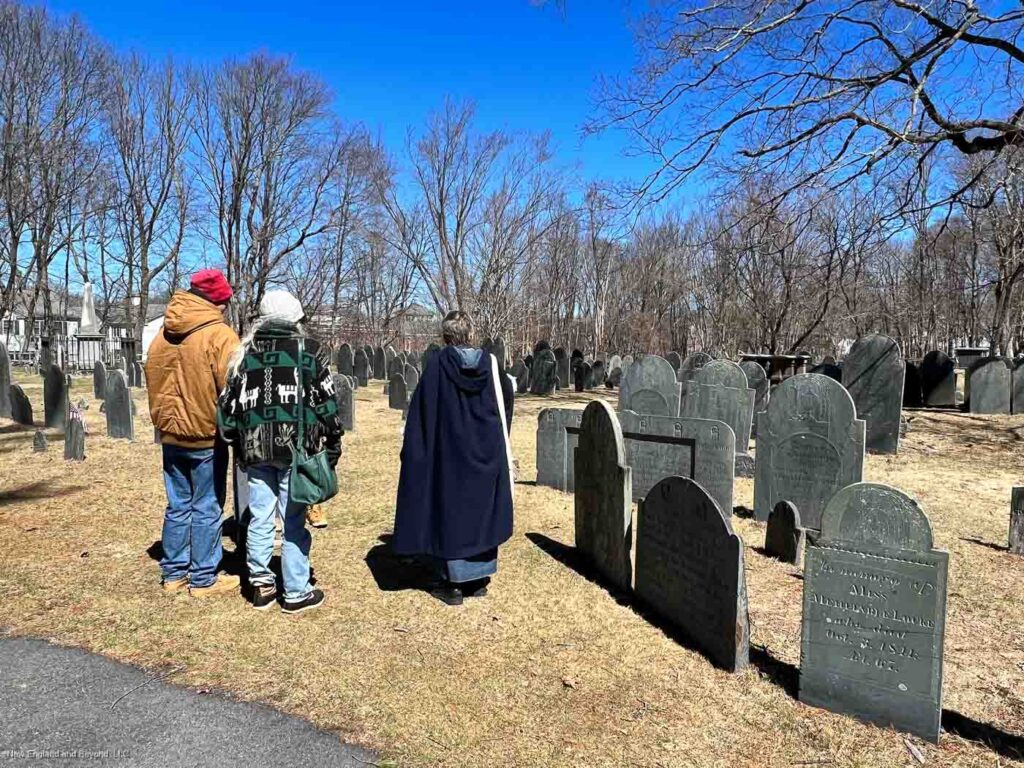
[(562, 361), (74, 437), (689, 367), (989, 386), (5, 383), (99, 380), (343, 395), (412, 377), (873, 374), (380, 364), (55, 397), (345, 359), (39, 442), (675, 360), (361, 367), (21, 406), (650, 386), (521, 373), (398, 395), (544, 374), (118, 401), (784, 536), (912, 391), (938, 380), (719, 391)]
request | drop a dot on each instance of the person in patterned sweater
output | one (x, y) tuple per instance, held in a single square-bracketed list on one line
[(258, 415)]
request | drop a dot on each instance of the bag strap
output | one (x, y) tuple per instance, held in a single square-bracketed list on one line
[(301, 398), (500, 397)]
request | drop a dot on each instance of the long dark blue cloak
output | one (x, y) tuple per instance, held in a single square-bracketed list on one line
[(455, 488)]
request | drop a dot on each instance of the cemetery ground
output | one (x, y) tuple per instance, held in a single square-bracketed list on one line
[(550, 668)]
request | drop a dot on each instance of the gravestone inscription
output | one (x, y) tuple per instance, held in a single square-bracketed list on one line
[(873, 375), (719, 391), (689, 568), (874, 612)]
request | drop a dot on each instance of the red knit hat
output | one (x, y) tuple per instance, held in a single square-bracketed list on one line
[(212, 286)]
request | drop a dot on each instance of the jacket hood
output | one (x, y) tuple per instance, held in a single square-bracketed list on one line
[(187, 313), (473, 379)]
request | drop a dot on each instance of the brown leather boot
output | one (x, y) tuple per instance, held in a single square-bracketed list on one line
[(225, 584), (315, 516)]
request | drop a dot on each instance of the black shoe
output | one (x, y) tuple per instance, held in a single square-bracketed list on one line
[(476, 588), (313, 600), (447, 593), (263, 596)]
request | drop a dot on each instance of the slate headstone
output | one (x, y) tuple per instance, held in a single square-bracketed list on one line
[(689, 568), (74, 437), (544, 375), (873, 375), (689, 367), (1017, 386), (597, 374), (938, 380), (398, 395), (831, 370), (414, 358), (395, 365), (989, 386), (784, 536), (562, 360), (1016, 538), (603, 502), (361, 367), (99, 380), (39, 442), (874, 612), (345, 360), (581, 375), (55, 397), (810, 444), (5, 383), (912, 392), (412, 378), (380, 364), (614, 378), (675, 361), (522, 376), (346, 401), (757, 380), (650, 386), (118, 401), (615, 361), (719, 391), (21, 407)]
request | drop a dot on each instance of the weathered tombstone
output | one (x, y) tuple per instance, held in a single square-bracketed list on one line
[(938, 380), (398, 395), (615, 361), (873, 375), (544, 375), (118, 400), (389, 356), (1017, 520), (874, 612), (414, 358), (689, 568), (562, 361), (345, 359), (650, 386), (673, 358), (989, 386), (784, 536), (396, 365), (354, 381), (831, 370), (603, 502), (412, 378), (380, 364), (757, 380), (810, 444), (614, 378), (21, 406), (912, 393), (369, 354), (719, 391), (627, 360), (689, 367), (346, 401), (99, 380), (55, 397), (74, 437), (597, 374), (45, 356), (5, 383), (581, 376), (522, 376), (1017, 387), (39, 442), (139, 376), (576, 355), (497, 348), (361, 367)]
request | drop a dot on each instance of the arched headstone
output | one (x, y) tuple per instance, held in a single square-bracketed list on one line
[(912, 391), (55, 397), (345, 399), (989, 386), (562, 361), (689, 367), (650, 386), (380, 364), (719, 391), (873, 375), (361, 368), (118, 407), (522, 376), (674, 360), (412, 377), (398, 395), (21, 406), (5, 383), (345, 359), (938, 380), (99, 380), (544, 374)]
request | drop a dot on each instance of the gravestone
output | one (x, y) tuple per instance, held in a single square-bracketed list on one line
[(675, 361), (343, 395), (412, 378), (1017, 387), (576, 355), (627, 360), (74, 437), (345, 360), (361, 367), (597, 374), (938, 380), (874, 612), (396, 365), (650, 386), (414, 358), (55, 397), (99, 380), (719, 391), (689, 568), (380, 364), (1016, 539), (39, 442), (810, 444), (5, 383), (562, 361), (656, 447), (398, 395), (615, 361), (757, 380), (21, 407), (389, 356), (913, 396), (829, 369), (581, 376), (989, 386), (522, 376), (497, 348), (544, 375), (689, 367), (118, 401), (603, 501), (369, 354), (784, 536), (873, 375)]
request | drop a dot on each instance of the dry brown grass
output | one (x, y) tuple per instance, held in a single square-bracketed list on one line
[(549, 669)]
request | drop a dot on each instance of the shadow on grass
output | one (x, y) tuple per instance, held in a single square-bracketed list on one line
[(394, 573), (40, 489), (1008, 745), (983, 543)]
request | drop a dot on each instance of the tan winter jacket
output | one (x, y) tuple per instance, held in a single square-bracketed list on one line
[(186, 369)]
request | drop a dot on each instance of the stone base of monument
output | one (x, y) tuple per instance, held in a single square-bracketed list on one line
[(744, 465)]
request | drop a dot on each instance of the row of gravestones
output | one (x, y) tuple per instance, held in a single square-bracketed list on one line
[(874, 586)]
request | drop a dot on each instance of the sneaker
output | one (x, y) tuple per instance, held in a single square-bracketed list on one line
[(315, 516), (313, 600), (447, 593), (263, 596), (225, 584), (176, 585)]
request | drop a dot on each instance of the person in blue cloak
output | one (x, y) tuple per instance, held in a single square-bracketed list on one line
[(455, 487)]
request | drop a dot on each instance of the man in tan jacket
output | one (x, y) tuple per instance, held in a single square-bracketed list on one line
[(185, 371)]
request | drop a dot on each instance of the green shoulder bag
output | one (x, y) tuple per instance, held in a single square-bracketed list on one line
[(312, 478)]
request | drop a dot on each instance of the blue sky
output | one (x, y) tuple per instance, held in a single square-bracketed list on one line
[(391, 63)]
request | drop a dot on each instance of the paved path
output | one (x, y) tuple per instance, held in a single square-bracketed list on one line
[(55, 700)]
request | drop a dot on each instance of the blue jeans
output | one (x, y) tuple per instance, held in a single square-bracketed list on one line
[(195, 484), (268, 495)]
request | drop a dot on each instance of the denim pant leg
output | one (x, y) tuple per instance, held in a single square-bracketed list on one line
[(207, 525), (176, 536), (259, 545), (294, 546)]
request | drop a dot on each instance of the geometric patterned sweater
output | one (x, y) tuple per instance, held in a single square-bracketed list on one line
[(258, 410)]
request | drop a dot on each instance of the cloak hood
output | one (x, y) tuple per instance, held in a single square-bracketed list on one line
[(469, 379)]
